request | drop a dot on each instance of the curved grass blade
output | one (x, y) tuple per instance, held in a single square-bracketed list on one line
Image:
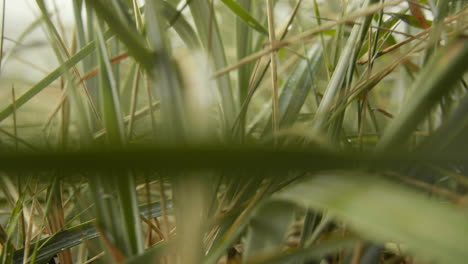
[(135, 43), (181, 25), (245, 16), (381, 210)]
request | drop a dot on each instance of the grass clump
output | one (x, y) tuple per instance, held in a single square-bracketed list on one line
[(237, 132)]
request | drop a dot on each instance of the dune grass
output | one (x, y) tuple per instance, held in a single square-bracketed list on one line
[(241, 131)]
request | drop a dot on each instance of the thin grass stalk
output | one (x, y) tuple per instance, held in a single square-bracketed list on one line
[(27, 238), (15, 128), (64, 121), (133, 102), (322, 40), (43, 221), (56, 217), (273, 67), (2, 33), (244, 38)]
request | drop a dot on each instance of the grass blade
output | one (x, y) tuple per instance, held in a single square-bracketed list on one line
[(384, 211), (268, 228), (245, 16), (125, 31)]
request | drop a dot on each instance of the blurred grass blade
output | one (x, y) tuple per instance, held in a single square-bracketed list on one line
[(371, 254), (245, 16), (181, 25), (25, 33), (151, 255), (208, 31), (418, 14), (383, 211), (170, 89), (451, 133), (410, 20), (268, 228), (308, 254), (433, 82)]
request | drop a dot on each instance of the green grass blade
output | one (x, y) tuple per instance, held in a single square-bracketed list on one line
[(297, 88), (308, 254), (181, 26), (383, 211), (244, 48), (125, 30), (268, 228), (245, 16), (154, 253), (111, 109), (451, 132)]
